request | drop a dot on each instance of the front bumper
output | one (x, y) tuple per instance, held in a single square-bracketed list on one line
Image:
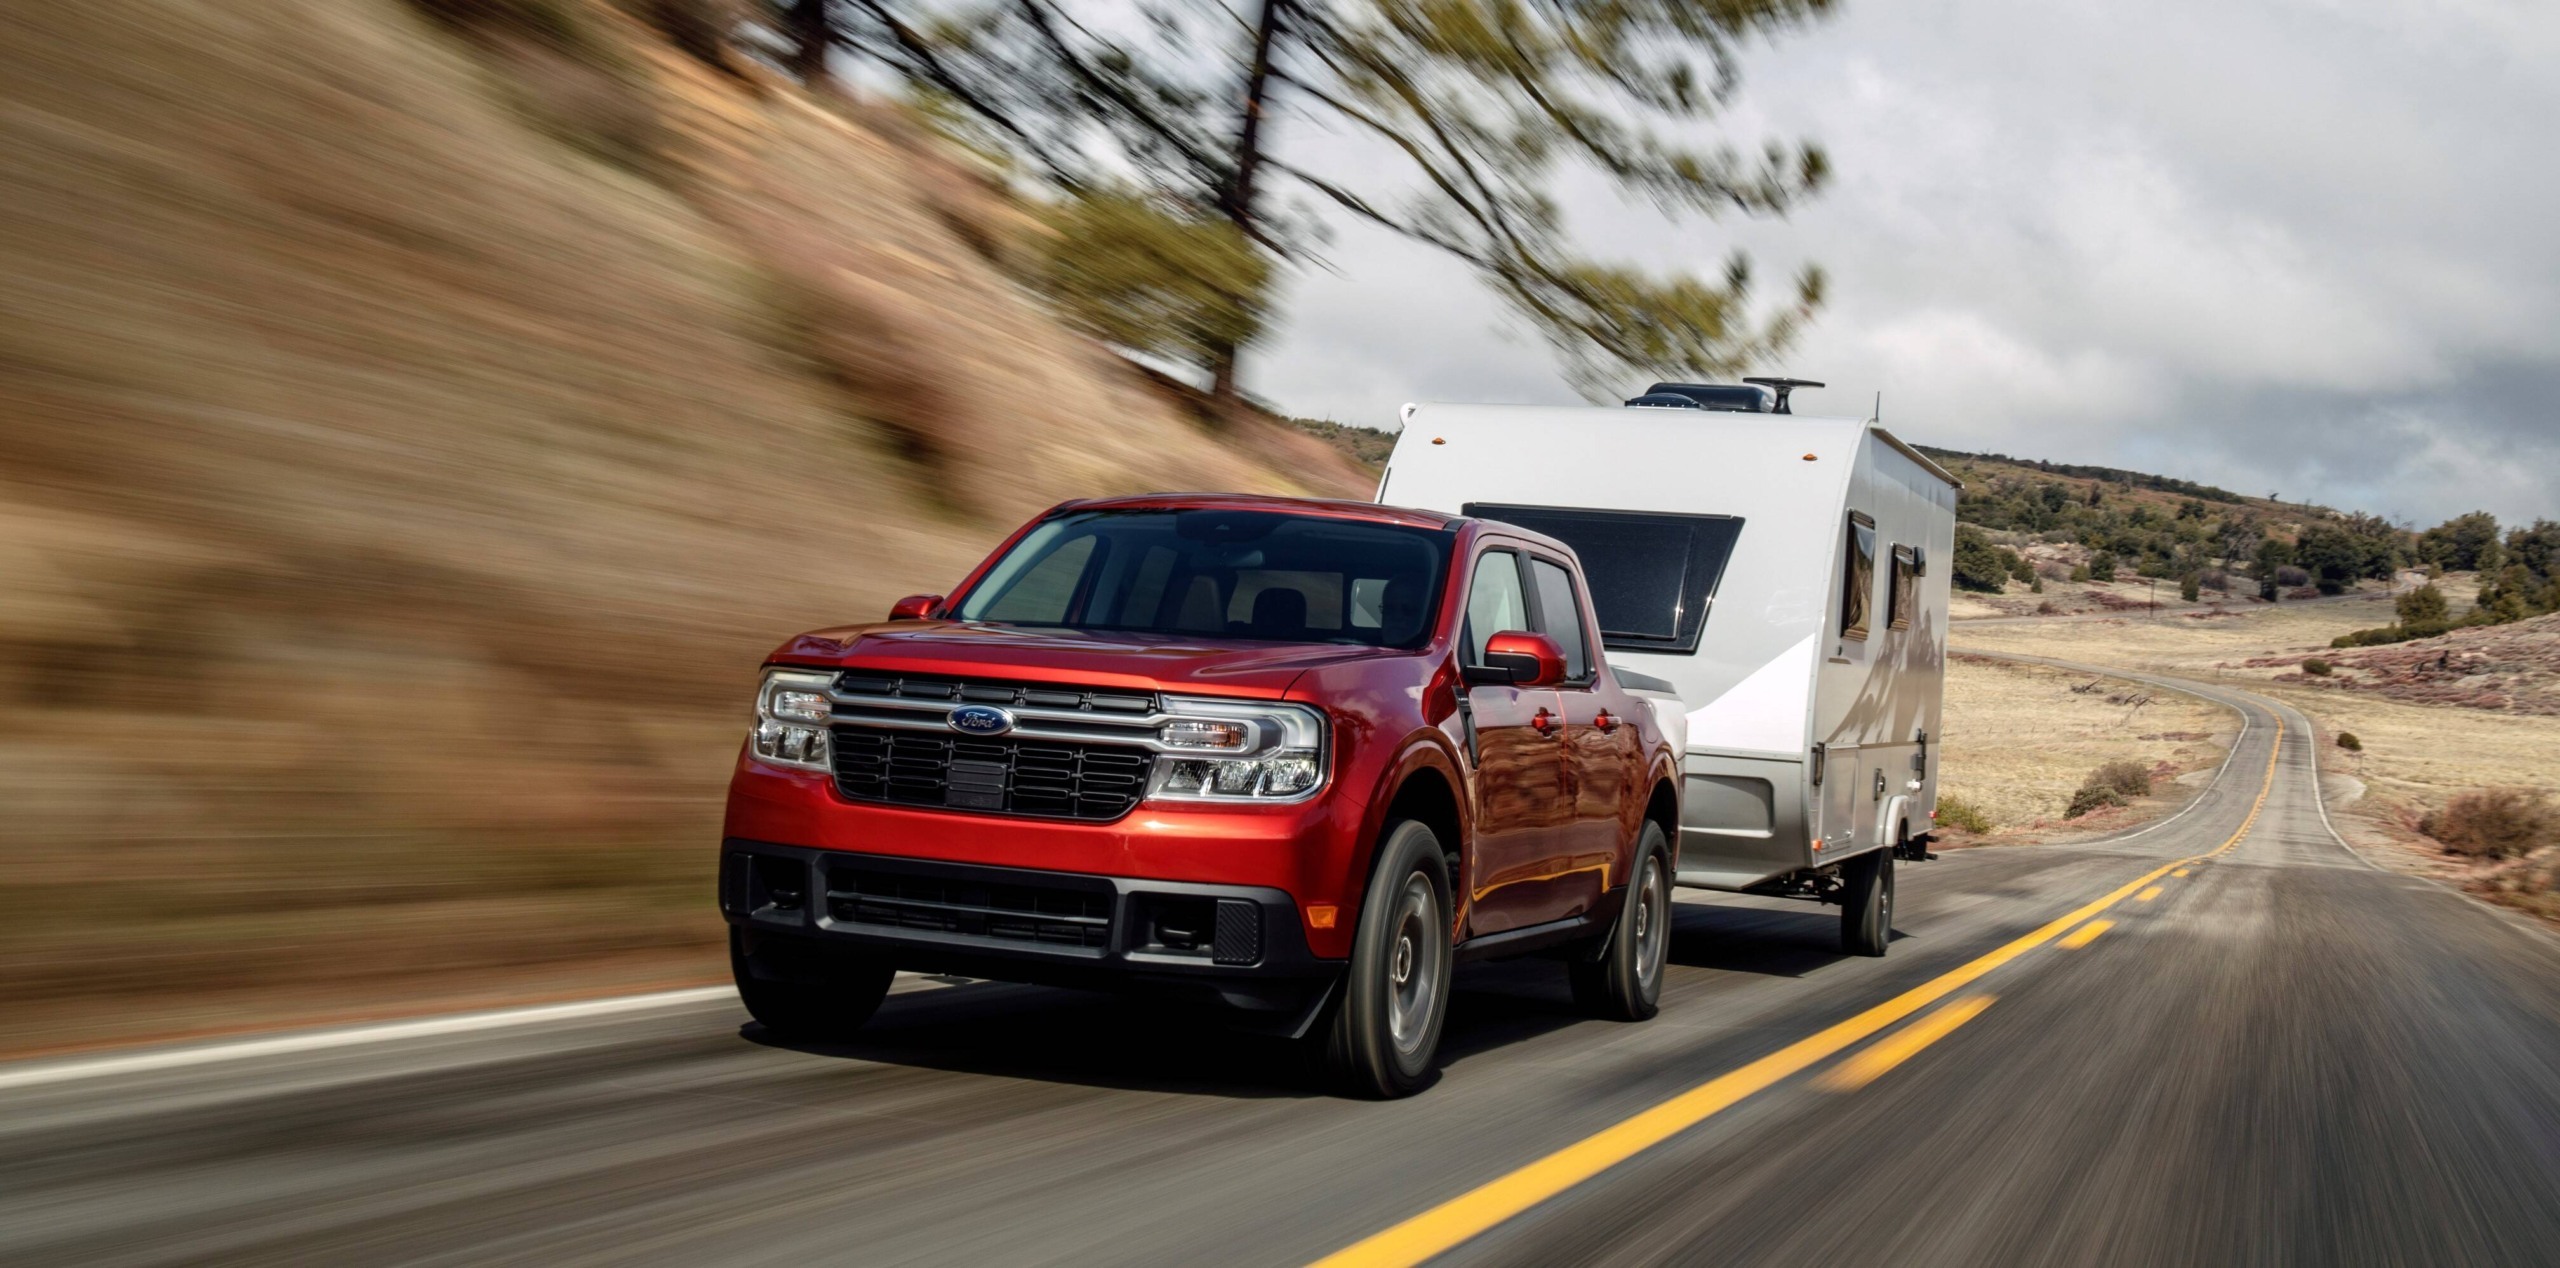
[(1238, 945)]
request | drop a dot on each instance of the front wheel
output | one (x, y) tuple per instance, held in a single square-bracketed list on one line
[(803, 992), (1625, 983), (1866, 903), (1384, 1040)]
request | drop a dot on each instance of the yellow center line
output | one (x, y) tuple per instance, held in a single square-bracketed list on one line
[(2085, 934), (2181, 872), (1481, 1208), (1902, 1045), (2148, 894)]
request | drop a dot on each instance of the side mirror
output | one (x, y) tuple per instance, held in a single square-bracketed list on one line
[(914, 607), (1520, 659)]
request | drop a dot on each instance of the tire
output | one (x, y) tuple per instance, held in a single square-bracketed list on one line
[(1625, 982), (1384, 1038), (1866, 903), (802, 992)]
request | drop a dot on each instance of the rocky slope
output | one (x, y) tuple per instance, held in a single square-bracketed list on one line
[(415, 423)]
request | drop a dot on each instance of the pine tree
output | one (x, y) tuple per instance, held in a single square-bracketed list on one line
[(1482, 102)]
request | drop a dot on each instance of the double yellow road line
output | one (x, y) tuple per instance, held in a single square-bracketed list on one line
[(1477, 1210)]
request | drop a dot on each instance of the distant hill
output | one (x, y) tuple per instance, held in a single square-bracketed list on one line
[(1366, 446), (2068, 520)]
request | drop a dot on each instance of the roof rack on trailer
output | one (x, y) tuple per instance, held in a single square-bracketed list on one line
[(1724, 397), (1782, 387)]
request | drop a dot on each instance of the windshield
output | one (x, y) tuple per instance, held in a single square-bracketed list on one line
[(1220, 573), (1652, 574)]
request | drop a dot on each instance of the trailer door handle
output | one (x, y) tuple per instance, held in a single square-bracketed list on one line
[(1544, 723)]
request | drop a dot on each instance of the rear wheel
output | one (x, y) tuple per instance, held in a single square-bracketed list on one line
[(1625, 983), (1384, 1040), (802, 991), (1866, 903)]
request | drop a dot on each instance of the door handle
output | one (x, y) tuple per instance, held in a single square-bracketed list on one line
[(1604, 721), (1544, 723)]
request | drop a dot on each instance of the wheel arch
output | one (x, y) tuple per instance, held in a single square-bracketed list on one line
[(1427, 792)]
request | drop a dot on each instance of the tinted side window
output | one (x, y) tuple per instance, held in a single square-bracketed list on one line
[(1564, 615), (1857, 577), (1494, 602), (1906, 587)]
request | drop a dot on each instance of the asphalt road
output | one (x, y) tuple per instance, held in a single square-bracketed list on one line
[(2284, 1055)]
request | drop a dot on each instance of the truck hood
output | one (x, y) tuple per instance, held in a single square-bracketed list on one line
[(956, 649)]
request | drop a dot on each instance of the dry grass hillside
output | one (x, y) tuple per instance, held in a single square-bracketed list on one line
[(413, 430), (2021, 738)]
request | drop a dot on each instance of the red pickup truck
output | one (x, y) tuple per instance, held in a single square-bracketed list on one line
[(1296, 757)]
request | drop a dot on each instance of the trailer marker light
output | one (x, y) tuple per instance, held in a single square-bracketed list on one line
[(1810, 458), (1439, 440)]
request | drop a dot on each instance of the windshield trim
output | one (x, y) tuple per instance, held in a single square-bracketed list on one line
[(1440, 542)]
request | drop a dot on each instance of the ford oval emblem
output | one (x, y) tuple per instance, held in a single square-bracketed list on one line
[(981, 719)]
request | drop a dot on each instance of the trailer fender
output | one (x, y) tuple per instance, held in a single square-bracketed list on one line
[(1894, 823)]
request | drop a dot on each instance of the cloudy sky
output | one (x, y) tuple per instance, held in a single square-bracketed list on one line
[(2290, 246)]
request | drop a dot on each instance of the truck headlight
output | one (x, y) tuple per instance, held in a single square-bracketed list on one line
[(1238, 750), (792, 710)]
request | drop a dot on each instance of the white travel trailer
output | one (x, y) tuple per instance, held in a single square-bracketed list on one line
[(1783, 576)]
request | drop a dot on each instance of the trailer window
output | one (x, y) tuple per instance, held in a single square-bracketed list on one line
[(1906, 587), (1653, 575), (1857, 576)]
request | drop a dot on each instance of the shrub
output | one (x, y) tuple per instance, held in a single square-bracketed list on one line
[(2092, 797), (2217, 581), (2037, 587), (2292, 578), (2080, 573), (2347, 740), (2494, 823), (2423, 606), (1956, 812), (2191, 588), (2102, 566), (2127, 779), (1979, 565), (2384, 634), (2315, 666)]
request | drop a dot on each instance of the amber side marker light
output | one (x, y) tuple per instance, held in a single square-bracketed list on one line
[(1320, 915), (1810, 458), (1439, 440)]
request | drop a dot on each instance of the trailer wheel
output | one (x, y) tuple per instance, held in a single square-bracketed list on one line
[(1866, 903), (1625, 982), (1383, 1040), (802, 992)]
